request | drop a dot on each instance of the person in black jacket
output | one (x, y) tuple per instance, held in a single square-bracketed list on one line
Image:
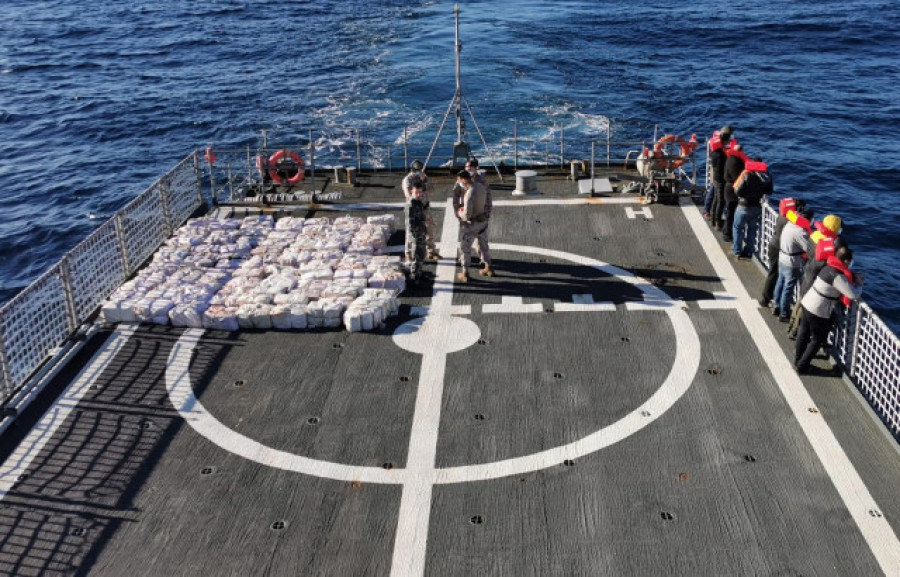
[(734, 166), (717, 159), (750, 187)]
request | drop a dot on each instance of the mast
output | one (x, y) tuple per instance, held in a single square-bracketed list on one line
[(460, 122)]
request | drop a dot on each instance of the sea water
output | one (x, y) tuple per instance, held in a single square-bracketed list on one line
[(99, 98)]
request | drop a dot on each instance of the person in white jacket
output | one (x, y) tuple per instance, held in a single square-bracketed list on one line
[(834, 283)]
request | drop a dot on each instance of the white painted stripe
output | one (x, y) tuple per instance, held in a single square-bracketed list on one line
[(856, 496), (567, 201), (584, 308), (19, 461), (720, 305), (512, 305), (411, 538), (457, 310)]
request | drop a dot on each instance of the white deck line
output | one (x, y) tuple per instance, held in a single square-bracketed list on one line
[(875, 529), (20, 460), (413, 519)]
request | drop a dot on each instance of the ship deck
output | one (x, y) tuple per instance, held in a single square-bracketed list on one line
[(613, 402)]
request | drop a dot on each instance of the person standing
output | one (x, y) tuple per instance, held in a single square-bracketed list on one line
[(834, 283), (415, 230), (718, 144), (790, 265), (787, 212), (473, 224), (734, 166), (823, 242), (751, 186), (417, 175)]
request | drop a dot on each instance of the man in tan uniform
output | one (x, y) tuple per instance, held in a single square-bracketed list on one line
[(472, 225)]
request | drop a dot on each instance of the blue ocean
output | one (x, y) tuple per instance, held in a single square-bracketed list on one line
[(99, 98)]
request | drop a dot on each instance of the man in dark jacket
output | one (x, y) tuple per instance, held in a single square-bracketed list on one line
[(718, 145), (734, 166), (750, 187)]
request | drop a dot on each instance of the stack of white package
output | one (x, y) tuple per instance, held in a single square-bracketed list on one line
[(256, 273), (370, 310)]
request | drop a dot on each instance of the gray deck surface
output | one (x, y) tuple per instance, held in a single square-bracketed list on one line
[(724, 483)]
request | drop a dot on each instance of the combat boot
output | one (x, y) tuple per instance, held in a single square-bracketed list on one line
[(463, 276), (433, 255), (487, 270)]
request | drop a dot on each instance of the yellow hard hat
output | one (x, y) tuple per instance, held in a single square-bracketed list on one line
[(832, 222)]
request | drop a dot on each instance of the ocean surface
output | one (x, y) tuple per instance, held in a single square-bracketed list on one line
[(99, 98)]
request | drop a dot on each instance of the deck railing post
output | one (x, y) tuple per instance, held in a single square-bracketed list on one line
[(516, 144), (358, 153), (120, 240), (855, 341), (65, 274), (562, 146)]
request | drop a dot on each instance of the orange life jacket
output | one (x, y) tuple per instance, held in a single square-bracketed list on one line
[(837, 263)]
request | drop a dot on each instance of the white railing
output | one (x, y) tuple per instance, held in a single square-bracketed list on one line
[(861, 343), (42, 317)]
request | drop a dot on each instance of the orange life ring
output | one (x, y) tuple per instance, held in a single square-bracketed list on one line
[(687, 147), (291, 161)]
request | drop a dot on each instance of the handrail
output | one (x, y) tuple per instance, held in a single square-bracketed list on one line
[(39, 320)]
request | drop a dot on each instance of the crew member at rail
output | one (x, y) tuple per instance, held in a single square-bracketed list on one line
[(834, 283), (752, 185), (824, 240), (734, 166), (787, 212), (790, 265), (417, 175), (718, 144), (472, 225)]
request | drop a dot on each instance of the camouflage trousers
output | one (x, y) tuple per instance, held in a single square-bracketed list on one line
[(416, 242), (429, 235)]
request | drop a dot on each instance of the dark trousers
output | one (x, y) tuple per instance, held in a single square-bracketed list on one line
[(718, 205), (771, 277), (730, 208), (812, 334)]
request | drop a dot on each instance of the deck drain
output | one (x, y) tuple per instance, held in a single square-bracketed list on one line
[(597, 238), (549, 310), (147, 424), (645, 413), (569, 462), (482, 342), (542, 260), (405, 379), (875, 513), (666, 516), (750, 458), (207, 471), (558, 376), (660, 254), (278, 526), (77, 532), (625, 340), (537, 222), (239, 383), (337, 345), (714, 371), (477, 520), (313, 421), (387, 466), (479, 417), (813, 410)]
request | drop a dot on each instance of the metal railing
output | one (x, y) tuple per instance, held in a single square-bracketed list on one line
[(41, 318), (861, 343)]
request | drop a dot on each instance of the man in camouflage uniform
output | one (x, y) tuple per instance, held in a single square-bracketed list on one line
[(415, 230), (417, 175), (472, 225)]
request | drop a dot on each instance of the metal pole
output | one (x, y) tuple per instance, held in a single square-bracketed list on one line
[(562, 146), (516, 144), (593, 143), (312, 163), (405, 149), (608, 144), (358, 154), (459, 128)]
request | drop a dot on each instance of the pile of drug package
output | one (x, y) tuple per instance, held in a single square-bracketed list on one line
[(258, 273)]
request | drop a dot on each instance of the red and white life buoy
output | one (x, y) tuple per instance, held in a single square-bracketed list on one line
[(687, 147), (283, 162)]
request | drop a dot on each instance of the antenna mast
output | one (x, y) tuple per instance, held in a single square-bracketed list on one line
[(462, 152)]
